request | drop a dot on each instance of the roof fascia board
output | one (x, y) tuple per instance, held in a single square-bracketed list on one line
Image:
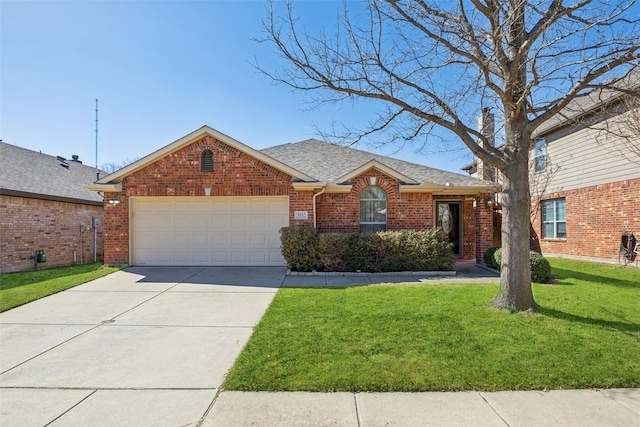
[(308, 186), (338, 188), (27, 195), (448, 190), (190, 138), (106, 188), (377, 165)]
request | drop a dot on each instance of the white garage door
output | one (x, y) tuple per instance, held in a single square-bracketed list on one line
[(207, 230)]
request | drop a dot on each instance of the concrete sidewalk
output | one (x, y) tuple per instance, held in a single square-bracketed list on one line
[(466, 272), (151, 347)]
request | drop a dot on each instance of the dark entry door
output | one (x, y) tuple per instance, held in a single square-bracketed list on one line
[(449, 218)]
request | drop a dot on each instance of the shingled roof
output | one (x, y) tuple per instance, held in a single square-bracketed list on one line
[(28, 173), (328, 162)]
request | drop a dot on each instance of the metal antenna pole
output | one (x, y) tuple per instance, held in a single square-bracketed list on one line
[(96, 133)]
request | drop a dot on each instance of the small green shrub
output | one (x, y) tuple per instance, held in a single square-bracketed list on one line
[(300, 248), (488, 258), (497, 258), (540, 267)]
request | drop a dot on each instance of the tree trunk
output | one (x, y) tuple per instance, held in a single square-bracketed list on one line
[(515, 272)]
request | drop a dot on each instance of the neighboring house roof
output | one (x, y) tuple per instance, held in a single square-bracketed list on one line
[(592, 102), (27, 173), (316, 164), (333, 163)]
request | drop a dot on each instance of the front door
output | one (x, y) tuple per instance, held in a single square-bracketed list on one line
[(450, 220)]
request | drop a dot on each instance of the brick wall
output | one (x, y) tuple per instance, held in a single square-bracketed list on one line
[(339, 212), (179, 174), (484, 225), (596, 217), (27, 225)]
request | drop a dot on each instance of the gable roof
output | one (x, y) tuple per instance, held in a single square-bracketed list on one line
[(28, 173), (315, 164), (110, 182), (333, 163)]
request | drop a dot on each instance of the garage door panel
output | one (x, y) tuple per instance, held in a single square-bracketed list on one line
[(238, 239), (207, 230), (219, 240)]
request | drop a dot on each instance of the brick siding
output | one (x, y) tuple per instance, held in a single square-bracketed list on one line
[(596, 218), (63, 230)]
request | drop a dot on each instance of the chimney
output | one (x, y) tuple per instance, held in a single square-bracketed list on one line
[(486, 126), (75, 158)]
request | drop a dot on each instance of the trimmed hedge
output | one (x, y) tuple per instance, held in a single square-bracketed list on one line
[(406, 250), (300, 247), (540, 267)]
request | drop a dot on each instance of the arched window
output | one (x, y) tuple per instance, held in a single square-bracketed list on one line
[(206, 163), (373, 210)]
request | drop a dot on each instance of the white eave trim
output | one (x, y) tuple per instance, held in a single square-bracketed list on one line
[(338, 188), (105, 188), (308, 186), (448, 189)]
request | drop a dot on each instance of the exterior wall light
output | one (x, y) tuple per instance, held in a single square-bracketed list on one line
[(113, 202), (207, 191)]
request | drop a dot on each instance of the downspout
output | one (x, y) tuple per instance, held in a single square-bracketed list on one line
[(95, 242), (314, 206)]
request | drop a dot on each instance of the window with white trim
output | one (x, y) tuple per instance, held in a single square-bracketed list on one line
[(540, 155), (554, 219), (373, 210)]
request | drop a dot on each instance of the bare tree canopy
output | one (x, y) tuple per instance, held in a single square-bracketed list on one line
[(438, 64)]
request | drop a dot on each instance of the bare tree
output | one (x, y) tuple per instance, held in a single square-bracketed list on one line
[(114, 166), (437, 64)]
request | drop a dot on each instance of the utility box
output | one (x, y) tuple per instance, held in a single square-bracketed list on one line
[(40, 256)]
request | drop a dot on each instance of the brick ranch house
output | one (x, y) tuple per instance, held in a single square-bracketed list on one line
[(208, 199), (44, 206)]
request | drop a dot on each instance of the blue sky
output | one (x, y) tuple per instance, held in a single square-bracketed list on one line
[(160, 70)]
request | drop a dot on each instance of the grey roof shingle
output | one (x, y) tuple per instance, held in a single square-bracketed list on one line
[(327, 162), (27, 171)]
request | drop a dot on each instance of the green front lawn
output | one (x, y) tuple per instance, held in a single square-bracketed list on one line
[(20, 288), (445, 337)]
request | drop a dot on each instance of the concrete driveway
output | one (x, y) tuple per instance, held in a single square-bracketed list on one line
[(146, 344)]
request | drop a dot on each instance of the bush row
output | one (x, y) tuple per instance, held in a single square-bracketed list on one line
[(304, 250), (540, 267)]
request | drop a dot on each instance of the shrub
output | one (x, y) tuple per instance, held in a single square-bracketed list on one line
[(540, 267), (300, 248), (405, 250), (488, 258), (333, 251), (410, 250)]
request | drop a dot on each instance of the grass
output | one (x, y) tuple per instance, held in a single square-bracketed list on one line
[(445, 337), (20, 288)]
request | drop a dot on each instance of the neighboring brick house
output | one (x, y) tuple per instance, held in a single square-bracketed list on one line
[(207, 199), (44, 206), (585, 179)]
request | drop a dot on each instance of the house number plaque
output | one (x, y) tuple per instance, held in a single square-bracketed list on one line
[(300, 215)]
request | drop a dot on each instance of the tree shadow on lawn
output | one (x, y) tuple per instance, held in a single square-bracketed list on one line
[(563, 274), (610, 324)]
